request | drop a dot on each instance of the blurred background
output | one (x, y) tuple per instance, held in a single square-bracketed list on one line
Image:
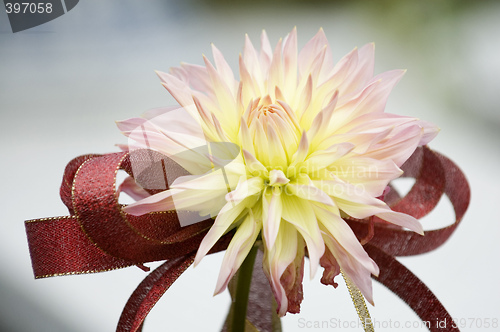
[(64, 83)]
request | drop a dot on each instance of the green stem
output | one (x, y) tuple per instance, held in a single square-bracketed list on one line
[(240, 303)]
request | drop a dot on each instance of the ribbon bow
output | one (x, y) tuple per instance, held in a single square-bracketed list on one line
[(98, 236)]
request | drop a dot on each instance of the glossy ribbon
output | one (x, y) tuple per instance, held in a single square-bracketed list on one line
[(98, 236)]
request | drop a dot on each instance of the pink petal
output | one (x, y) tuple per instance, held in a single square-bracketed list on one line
[(371, 174), (249, 87), (131, 188), (317, 65), (251, 60), (159, 202), (128, 125), (399, 147), (377, 100), (178, 89), (403, 220), (225, 96), (290, 62), (372, 99), (277, 259), (362, 141), (430, 131), (366, 63), (382, 121), (343, 234), (224, 70), (198, 77), (174, 119), (291, 281), (266, 52), (352, 268), (310, 51), (275, 77), (342, 69), (362, 72)]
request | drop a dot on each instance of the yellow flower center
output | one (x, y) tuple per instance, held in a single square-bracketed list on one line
[(274, 131)]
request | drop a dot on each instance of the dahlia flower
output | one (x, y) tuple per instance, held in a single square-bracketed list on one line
[(314, 146)]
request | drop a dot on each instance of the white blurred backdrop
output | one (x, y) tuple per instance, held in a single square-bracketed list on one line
[(64, 83)]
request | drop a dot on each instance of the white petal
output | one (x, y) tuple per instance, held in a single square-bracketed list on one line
[(369, 174), (250, 187), (229, 214), (255, 166), (271, 215), (322, 159), (302, 151), (239, 247), (344, 235), (300, 214), (352, 268), (309, 192), (359, 204), (277, 152), (277, 176)]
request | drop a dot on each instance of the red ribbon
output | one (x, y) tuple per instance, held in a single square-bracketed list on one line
[(98, 236), (435, 175)]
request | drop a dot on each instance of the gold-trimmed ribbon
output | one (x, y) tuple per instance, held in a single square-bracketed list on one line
[(359, 303)]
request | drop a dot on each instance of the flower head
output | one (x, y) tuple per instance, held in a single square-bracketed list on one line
[(314, 146)]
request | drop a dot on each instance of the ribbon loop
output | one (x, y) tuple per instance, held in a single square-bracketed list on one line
[(98, 235), (430, 185), (102, 219)]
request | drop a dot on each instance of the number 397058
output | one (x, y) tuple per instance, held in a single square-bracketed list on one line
[(28, 8)]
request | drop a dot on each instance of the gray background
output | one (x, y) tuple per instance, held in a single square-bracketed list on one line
[(64, 83)]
